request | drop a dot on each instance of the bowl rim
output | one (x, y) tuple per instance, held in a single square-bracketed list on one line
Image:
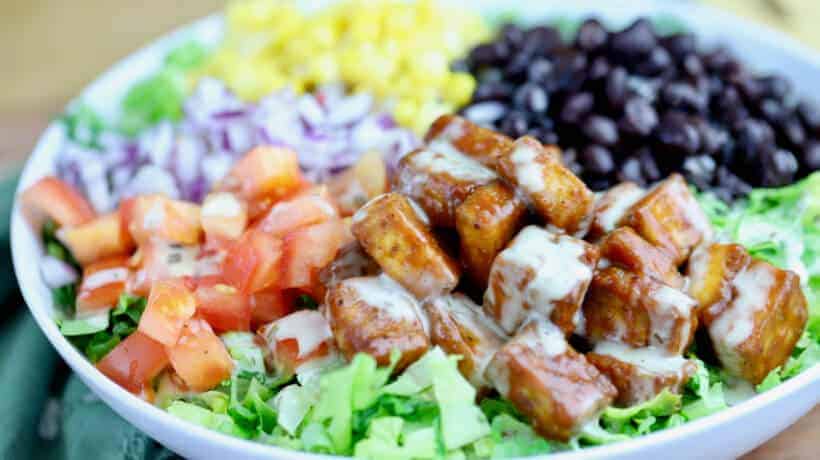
[(110, 391)]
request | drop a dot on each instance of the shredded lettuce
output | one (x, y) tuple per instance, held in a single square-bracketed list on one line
[(98, 335)]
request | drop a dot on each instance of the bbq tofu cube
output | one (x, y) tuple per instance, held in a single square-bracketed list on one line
[(640, 374), (439, 181), (375, 315), (454, 132), (486, 221), (459, 327), (393, 231), (637, 310), (548, 381), (711, 270), (669, 217), (626, 249), (540, 273), (351, 262), (757, 330), (552, 190), (611, 206)]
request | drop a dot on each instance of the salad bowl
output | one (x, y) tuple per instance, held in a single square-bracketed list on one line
[(726, 434)]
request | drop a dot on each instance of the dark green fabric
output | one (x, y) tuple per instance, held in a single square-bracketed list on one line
[(47, 413)]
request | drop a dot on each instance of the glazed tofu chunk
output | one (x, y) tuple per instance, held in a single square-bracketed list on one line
[(540, 273), (459, 327), (548, 381), (669, 217), (439, 180), (637, 310), (486, 221), (559, 197), (711, 270), (640, 374), (626, 249), (394, 232), (611, 206), (351, 262), (757, 330), (462, 135), (375, 315)]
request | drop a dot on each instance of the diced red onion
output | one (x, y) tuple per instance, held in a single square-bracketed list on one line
[(57, 273)]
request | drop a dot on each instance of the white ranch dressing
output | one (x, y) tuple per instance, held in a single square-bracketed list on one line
[(390, 297), (652, 359), (103, 277), (528, 172), (443, 158), (308, 327), (180, 260), (623, 199), (736, 323), (543, 336), (671, 305), (554, 264)]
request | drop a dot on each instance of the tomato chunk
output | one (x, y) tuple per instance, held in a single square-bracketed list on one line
[(312, 207), (199, 357), (270, 305), (150, 216), (134, 362), (96, 239), (265, 174), (360, 183), (170, 304), (159, 260), (102, 284), (223, 306), (223, 216), (308, 250), (254, 262), (52, 198), (297, 339)]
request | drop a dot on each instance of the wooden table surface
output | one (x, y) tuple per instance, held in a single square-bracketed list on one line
[(50, 49)]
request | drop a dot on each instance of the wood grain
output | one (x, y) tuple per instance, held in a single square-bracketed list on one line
[(52, 48)]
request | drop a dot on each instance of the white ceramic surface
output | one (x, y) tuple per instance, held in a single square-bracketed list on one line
[(727, 434)]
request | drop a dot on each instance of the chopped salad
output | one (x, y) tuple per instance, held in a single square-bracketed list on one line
[(298, 267)]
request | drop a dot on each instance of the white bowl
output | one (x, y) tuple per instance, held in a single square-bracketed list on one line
[(727, 434)]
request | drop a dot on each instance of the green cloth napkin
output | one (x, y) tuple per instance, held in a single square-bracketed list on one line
[(46, 412)]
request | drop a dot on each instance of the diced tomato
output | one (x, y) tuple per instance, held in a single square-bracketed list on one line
[(52, 198), (155, 216), (134, 362), (170, 304), (103, 282), (298, 338), (158, 260), (264, 174), (270, 305), (199, 357), (308, 250), (224, 307), (223, 216), (254, 262), (96, 239), (359, 183), (312, 207)]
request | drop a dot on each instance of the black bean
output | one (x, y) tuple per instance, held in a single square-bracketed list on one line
[(515, 124), (540, 70), (647, 88), (576, 107), (492, 91), (750, 88), (692, 65), (731, 182), (550, 139), (657, 62), (792, 131), (680, 45), (543, 38), (601, 130), (517, 66), (810, 116), (513, 35), (597, 160), (755, 136), (637, 39), (630, 170), (811, 155), (712, 139), (683, 96), (677, 133), (772, 110), (591, 35), (569, 70), (616, 87), (780, 168), (490, 75), (531, 97), (598, 183), (775, 86), (639, 116), (483, 55), (718, 60), (599, 68), (700, 170), (649, 167)]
